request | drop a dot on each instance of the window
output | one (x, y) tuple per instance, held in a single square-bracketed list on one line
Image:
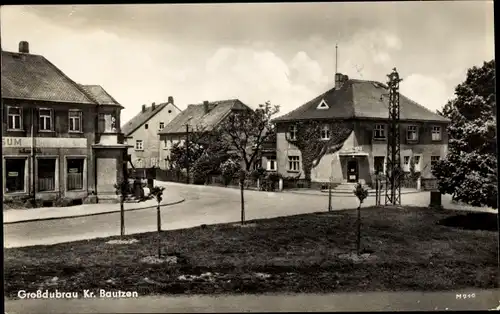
[(406, 163), (45, 117), (436, 133), (74, 173), (75, 121), (434, 160), (411, 133), (378, 162), (154, 162), (15, 171), (14, 118), (146, 126), (162, 125), (46, 173), (293, 163), (292, 133), (325, 132), (109, 121), (139, 145), (379, 132), (416, 162), (271, 164)]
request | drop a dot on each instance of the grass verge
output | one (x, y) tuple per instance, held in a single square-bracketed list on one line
[(412, 250)]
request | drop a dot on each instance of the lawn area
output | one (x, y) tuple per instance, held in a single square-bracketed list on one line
[(413, 249)]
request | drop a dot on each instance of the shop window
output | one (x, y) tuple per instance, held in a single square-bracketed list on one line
[(46, 174), (74, 173), (15, 172)]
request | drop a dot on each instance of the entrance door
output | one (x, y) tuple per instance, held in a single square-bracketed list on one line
[(352, 171)]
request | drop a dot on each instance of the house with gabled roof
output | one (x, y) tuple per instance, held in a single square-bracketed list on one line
[(206, 116), (141, 132), (364, 105), (60, 139)]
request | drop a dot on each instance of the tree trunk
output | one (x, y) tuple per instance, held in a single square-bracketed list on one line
[(122, 216), (158, 221), (242, 182), (358, 240)]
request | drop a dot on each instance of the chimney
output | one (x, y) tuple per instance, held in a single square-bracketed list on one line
[(143, 108), (340, 79), (205, 106), (153, 105), (24, 47), (170, 100)]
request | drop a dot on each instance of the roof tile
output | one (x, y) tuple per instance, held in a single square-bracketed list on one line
[(195, 116), (32, 77), (359, 99)]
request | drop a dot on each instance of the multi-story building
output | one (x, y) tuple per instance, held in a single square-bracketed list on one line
[(364, 104), (141, 132), (196, 117), (60, 139)]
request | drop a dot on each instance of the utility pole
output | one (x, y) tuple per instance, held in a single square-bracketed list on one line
[(33, 157), (187, 153), (393, 170)]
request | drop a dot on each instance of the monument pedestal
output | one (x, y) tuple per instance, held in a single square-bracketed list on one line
[(109, 159)]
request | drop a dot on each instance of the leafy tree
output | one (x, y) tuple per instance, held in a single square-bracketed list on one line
[(361, 193), (157, 192), (312, 147), (246, 131), (122, 189), (469, 171)]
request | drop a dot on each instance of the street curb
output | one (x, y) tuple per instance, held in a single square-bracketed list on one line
[(92, 214)]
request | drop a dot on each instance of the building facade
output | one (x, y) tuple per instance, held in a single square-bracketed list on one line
[(141, 133), (57, 135), (361, 105), (195, 118)]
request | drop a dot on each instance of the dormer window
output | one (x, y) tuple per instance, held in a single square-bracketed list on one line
[(292, 133), (322, 105), (325, 132)]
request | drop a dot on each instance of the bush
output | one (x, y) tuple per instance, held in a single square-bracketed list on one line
[(258, 173), (229, 169)]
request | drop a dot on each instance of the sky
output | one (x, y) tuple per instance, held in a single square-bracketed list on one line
[(278, 52)]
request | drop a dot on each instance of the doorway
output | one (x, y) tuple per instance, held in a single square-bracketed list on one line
[(352, 171)]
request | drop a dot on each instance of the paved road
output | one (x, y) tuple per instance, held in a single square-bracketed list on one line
[(203, 205), (357, 302)]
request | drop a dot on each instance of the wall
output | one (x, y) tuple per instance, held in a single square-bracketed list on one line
[(335, 165), (150, 138), (424, 146), (54, 147), (165, 149)]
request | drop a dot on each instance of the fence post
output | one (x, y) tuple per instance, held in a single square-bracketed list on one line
[(419, 183), (280, 185)]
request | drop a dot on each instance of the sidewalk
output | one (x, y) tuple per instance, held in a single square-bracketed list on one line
[(12, 216)]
